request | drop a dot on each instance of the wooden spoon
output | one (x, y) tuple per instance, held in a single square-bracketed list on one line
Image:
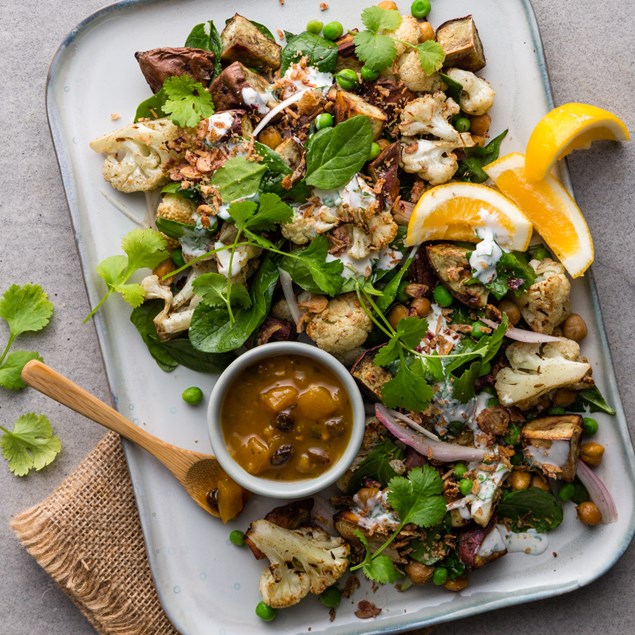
[(198, 473)]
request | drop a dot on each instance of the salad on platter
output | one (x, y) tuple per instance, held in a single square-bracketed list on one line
[(344, 187)]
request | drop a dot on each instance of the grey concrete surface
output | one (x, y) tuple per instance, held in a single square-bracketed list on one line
[(590, 50)]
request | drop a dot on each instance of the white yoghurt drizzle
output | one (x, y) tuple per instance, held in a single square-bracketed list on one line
[(494, 237), (502, 539)]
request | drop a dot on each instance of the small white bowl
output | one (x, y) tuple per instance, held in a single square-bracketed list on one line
[(270, 487)]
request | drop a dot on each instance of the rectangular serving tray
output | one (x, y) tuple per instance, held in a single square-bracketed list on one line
[(206, 585)]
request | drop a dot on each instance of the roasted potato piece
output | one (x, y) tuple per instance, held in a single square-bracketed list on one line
[(243, 41), (227, 88), (291, 152), (158, 64), (451, 265), (462, 44), (349, 105), (371, 377), (551, 443)]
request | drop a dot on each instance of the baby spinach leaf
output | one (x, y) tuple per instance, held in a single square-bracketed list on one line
[(531, 507), (152, 108), (471, 167), (263, 29), (512, 274), (277, 170), (238, 178), (190, 193), (463, 386), (175, 229), (336, 154), (453, 89), (389, 292), (321, 53), (206, 36), (593, 397)]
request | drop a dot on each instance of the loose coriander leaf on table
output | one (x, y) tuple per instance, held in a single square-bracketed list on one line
[(26, 309), (31, 444), (187, 101), (11, 369)]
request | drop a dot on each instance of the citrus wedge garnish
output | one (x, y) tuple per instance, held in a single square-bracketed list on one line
[(566, 128), (554, 214), (459, 211)]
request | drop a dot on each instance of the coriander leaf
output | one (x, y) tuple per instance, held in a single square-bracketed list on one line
[(531, 507), (238, 178), (463, 386), (381, 569), (212, 287), (26, 309), (205, 36), (242, 211), (187, 101), (112, 269), (337, 154), (272, 211), (376, 19), (145, 248), (376, 465), (471, 167), (309, 269), (11, 369), (319, 51), (596, 401), (417, 499), (375, 50), (407, 390), (411, 331), (151, 108), (388, 353), (31, 444), (133, 294), (431, 56)]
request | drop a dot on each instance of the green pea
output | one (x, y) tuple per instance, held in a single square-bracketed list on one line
[(314, 26), (442, 296), (465, 486), (192, 395), (333, 30), (177, 257), (368, 73), (347, 79), (237, 537), (331, 597), (375, 151), (580, 493), (486, 369), (512, 436), (440, 576), (459, 470), (554, 410), (462, 124), (590, 426), (265, 612), (566, 492), (493, 401), (477, 330), (540, 253), (420, 8), (401, 293), (324, 120)]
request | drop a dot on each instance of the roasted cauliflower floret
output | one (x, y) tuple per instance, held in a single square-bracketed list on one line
[(434, 161), (176, 208), (137, 156), (536, 369), (309, 220), (477, 96), (302, 561), (430, 115), (408, 70), (547, 301), (383, 230), (341, 327), (408, 31)]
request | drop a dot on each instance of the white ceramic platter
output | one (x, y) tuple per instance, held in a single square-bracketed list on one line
[(206, 584)]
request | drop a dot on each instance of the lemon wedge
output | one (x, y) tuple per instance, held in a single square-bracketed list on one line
[(459, 211), (554, 214), (566, 128)]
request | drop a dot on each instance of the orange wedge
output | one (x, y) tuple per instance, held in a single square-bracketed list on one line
[(549, 206), (566, 128), (457, 211)]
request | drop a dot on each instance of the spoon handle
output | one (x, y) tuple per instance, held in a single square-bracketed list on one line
[(61, 389)]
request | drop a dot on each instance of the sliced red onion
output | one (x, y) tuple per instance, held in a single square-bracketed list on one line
[(414, 425), (445, 452), (277, 109), (287, 289), (598, 492), (521, 335)]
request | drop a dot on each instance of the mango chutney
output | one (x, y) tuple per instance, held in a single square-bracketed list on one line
[(286, 418)]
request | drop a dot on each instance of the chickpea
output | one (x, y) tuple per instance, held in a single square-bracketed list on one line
[(270, 137), (397, 313), (574, 328), (383, 143), (589, 514), (540, 482), (422, 306), (480, 125), (388, 5), (163, 268), (512, 311), (427, 32), (418, 573), (365, 494), (458, 584), (520, 479), (564, 397), (479, 140), (591, 453)]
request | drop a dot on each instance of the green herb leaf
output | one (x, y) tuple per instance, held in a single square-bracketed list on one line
[(187, 101), (454, 88), (337, 154), (152, 108), (463, 387), (205, 36), (389, 292), (471, 167), (238, 178), (264, 30), (407, 389), (376, 19), (11, 369), (308, 268), (191, 193), (319, 51), (511, 266), (410, 331), (26, 309), (431, 56), (31, 444), (378, 568), (375, 50), (212, 287), (531, 507), (264, 215), (417, 499), (376, 465), (596, 401), (175, 229)]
